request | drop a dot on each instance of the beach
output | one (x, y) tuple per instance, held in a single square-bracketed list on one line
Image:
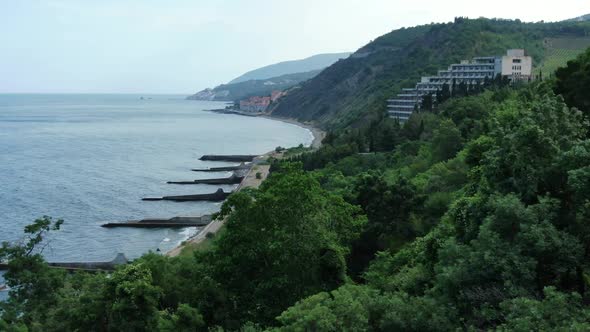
[(251, 180), (318, 134)]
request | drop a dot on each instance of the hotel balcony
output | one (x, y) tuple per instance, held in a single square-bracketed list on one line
[(402, 107), (402, 101), (463, 68)]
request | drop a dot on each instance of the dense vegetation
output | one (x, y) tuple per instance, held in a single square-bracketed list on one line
[(354, 90), (473, 216)]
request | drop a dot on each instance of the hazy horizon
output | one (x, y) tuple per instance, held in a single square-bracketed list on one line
[(179, 47)]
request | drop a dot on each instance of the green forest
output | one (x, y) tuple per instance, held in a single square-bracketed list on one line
[(472, 216)]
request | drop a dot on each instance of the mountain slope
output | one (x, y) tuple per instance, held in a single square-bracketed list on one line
[(582, 18), (242, 90), (354, 89), (316, 62)]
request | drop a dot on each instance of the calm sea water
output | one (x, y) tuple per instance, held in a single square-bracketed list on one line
[(91, 158)]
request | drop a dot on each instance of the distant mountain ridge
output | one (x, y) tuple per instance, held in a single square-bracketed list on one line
[(581, 18), (315, 62), (243, 90)]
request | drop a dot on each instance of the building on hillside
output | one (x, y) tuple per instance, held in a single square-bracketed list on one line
[(255, 104), (515, 65)]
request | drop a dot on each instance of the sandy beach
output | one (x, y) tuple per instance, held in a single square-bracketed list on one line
[(251, 180), (318, 134)]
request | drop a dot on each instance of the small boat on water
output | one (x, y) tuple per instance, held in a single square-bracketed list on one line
[(3, 288)]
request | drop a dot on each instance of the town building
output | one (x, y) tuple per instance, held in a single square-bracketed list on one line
[(255, 104), (515, 65)]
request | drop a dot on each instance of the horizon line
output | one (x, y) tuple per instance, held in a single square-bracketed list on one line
[(94, 93)]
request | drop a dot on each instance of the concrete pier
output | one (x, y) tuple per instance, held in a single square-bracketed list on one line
[(234, 157), (175, 222), (217, 196), (120, 259), (242, 166), (234, 179)]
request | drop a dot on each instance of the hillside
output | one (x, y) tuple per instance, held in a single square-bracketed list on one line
[(316, 62), (245, 89), (352, 90), (582, 18)]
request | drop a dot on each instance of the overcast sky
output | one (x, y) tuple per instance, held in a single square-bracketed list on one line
[(175, 46)]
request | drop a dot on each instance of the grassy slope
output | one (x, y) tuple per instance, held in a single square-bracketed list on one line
[(558, 51), (352, 90)]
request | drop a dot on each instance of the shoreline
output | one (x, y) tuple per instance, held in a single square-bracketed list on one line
[(250, 180), (317, 133)]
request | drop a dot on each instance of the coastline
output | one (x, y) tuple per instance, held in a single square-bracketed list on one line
[(253, 179), (317, 133)]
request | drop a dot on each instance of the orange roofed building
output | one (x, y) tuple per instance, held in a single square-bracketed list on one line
[(255, 104)]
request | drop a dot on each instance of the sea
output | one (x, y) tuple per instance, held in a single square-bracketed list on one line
[(90, 158)]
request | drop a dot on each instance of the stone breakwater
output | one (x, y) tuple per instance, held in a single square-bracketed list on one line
[(229, 158), (217, 196), (161, 223), (233, 179)]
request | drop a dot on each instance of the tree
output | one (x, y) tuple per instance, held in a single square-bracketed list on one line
[(573, 82), (346, 308), (33, 285), (528, 139), (388, 208), (461, 90), (132, 299), (427, 103), (185, 319), (283, 242), (486, 82), (446, 141), (557, 311)]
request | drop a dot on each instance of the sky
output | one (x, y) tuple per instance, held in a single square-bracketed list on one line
[(178, 46)]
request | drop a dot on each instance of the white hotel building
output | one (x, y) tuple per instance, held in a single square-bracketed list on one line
[(515, 65)]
